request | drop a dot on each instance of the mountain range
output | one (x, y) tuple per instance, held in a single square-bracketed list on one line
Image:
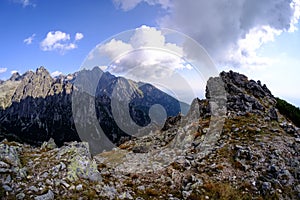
[(36, 107), (240, 142)]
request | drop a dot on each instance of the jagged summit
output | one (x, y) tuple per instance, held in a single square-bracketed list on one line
[(246, 95), (15, 76)]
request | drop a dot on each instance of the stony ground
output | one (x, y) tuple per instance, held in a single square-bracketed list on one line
[(254, 159)]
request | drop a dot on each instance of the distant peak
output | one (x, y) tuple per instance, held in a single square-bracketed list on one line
[(41, 69), (98, 69), (15, 76)]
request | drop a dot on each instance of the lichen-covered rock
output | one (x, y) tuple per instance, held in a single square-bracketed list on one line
[(82, 167), (80, 163), (50, 144), (9, 155)]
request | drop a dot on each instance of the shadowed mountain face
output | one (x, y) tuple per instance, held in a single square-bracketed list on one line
[(35, 106)]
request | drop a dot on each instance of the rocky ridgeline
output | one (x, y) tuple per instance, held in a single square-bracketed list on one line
[(254, 156), (35, 107)]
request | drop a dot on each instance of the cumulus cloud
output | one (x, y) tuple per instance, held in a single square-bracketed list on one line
[(56, 73), (146, 50), (2, 70), (231, 31), (60, 41), (114, 48), (78, 36), (29, 39)]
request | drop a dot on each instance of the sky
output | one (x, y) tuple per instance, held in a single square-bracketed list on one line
[(259, 38)]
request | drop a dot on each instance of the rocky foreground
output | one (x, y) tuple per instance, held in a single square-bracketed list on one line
[(255, 156)]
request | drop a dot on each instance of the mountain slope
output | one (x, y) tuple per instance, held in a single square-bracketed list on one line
[(36, 106)]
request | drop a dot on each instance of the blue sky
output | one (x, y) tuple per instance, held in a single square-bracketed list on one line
[(257, 38), (96, 20)]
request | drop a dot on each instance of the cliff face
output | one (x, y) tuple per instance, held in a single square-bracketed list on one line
[(233, 145)]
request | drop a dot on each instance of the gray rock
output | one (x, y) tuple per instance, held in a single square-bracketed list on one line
[(297, 188), (9, 155), (20, 196), (266, 186), (273, 114), (45, 175), (48, 196), (140, 149), (81, 165), (4, 165), (62, 166), (141, 187), (7, 188), (33, 188), (64, 183), (79, 187), (4, 170), (7, 180), (125, 195), (50, 144), (186, 194)]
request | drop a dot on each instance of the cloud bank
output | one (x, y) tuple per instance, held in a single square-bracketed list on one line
[(231, 31)]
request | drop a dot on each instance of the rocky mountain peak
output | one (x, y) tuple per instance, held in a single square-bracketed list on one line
[(244, 85), (34, 84), (41, 69), (244, 95), (15, 77)]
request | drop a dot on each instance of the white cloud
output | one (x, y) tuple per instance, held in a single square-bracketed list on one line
[(146, 54), (244, 53), (56, 73), (146, 49), (25, 3), (14, 71), (78, 36), (2, 70), (114, 48), (53, 39), (103, 67), (224, 27), (295, 6), (130, 4), (59, 41), (29, 39), (239, 26)]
